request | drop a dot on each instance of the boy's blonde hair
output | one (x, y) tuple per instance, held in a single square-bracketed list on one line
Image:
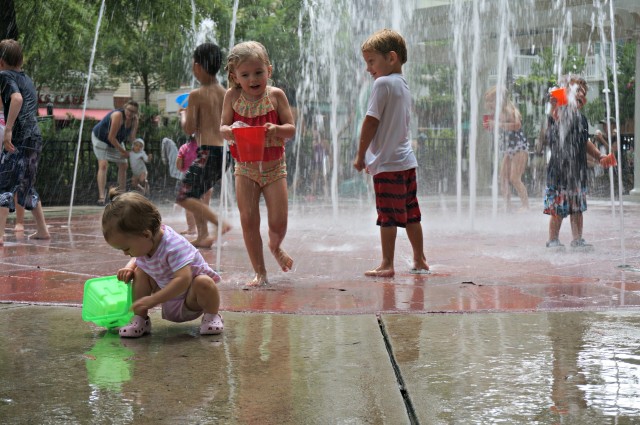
[(242, 52), (130, 213), (386, 41)]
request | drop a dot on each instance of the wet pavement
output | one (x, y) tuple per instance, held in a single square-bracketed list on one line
[(503, 330)]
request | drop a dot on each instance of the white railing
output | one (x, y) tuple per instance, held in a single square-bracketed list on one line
[(523, 65)]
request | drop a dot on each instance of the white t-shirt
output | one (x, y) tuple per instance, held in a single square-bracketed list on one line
[(137, 161), (390, 149)]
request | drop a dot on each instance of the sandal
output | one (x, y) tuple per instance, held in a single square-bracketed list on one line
[(100, 202), (138, 327), (212, 324)]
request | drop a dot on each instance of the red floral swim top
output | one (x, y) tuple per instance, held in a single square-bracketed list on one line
[(257, 113)]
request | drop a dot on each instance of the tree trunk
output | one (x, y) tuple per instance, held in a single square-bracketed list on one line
[(8, 24)]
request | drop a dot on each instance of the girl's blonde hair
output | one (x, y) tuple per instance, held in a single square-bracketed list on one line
[(130, 213), (242, 52)]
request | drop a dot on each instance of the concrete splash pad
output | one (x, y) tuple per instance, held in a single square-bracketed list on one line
[(554, 338)]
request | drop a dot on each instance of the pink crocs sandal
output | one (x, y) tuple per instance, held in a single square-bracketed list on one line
[(212, 324), (136, 328)]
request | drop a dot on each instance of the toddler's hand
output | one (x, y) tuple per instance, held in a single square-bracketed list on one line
[(144, 303), (125, 275)]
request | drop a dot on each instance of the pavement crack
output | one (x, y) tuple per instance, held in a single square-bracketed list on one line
[(408, 404)]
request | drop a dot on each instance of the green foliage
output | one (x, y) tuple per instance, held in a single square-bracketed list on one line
[(57, 37), (274, 23)]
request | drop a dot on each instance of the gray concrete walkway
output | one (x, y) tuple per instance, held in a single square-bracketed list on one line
[(502, 331)]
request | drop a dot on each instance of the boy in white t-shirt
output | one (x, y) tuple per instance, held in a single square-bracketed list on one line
[(385, 150)]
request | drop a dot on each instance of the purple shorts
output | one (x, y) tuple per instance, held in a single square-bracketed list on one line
[(175, 310)]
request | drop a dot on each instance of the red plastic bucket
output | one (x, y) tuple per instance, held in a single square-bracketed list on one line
[(560, 94), (250, 143)]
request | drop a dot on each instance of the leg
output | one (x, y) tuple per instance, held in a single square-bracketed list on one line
[(140, 324), (102, 178), (505, 171), (203, 295), (555, 223), (202, 215), (143, 286), (388, 242), (191, 223), (122, 176), (248, 196), (576, 225), (19, 227), (42, 231), (4, 213), (276, 199), (414, 233), (518, 165)]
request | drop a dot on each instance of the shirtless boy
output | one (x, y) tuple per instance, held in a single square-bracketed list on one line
[(202, 118)]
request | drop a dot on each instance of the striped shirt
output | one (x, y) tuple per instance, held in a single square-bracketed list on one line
[(173, 253)]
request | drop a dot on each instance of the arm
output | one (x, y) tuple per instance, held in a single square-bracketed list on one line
[(287, 128), (227, 116), (368, 131), (116, 122), (593, 151), (178, 285), (189, 116), (134, 128), (125, 274), (14, 110), (510, 119)]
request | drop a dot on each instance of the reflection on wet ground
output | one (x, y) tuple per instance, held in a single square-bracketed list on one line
[(554, 339)]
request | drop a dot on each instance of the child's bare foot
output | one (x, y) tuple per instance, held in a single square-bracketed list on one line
[(258, 280), (189, 231), (226, 227), (204, 242), (380, 272), (38, 235), (283, 259), (19, 227), (420, 265)]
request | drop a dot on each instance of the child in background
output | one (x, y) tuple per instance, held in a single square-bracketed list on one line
[(566, 192), (385, 150), (138, 159), (253, 101), (21, 141), (188, 153), (202, 118), (166, 269)]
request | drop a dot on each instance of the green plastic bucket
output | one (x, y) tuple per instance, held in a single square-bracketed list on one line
[(107, 302)]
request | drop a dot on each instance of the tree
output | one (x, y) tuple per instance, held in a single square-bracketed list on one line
[(8, 21), (274, 23), (57, 41)]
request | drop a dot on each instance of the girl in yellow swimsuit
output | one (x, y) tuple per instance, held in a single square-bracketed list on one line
[(252, 101)]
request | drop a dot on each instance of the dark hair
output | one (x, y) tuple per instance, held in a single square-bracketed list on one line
[(131, 213), (209, 56), (11, 52)]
